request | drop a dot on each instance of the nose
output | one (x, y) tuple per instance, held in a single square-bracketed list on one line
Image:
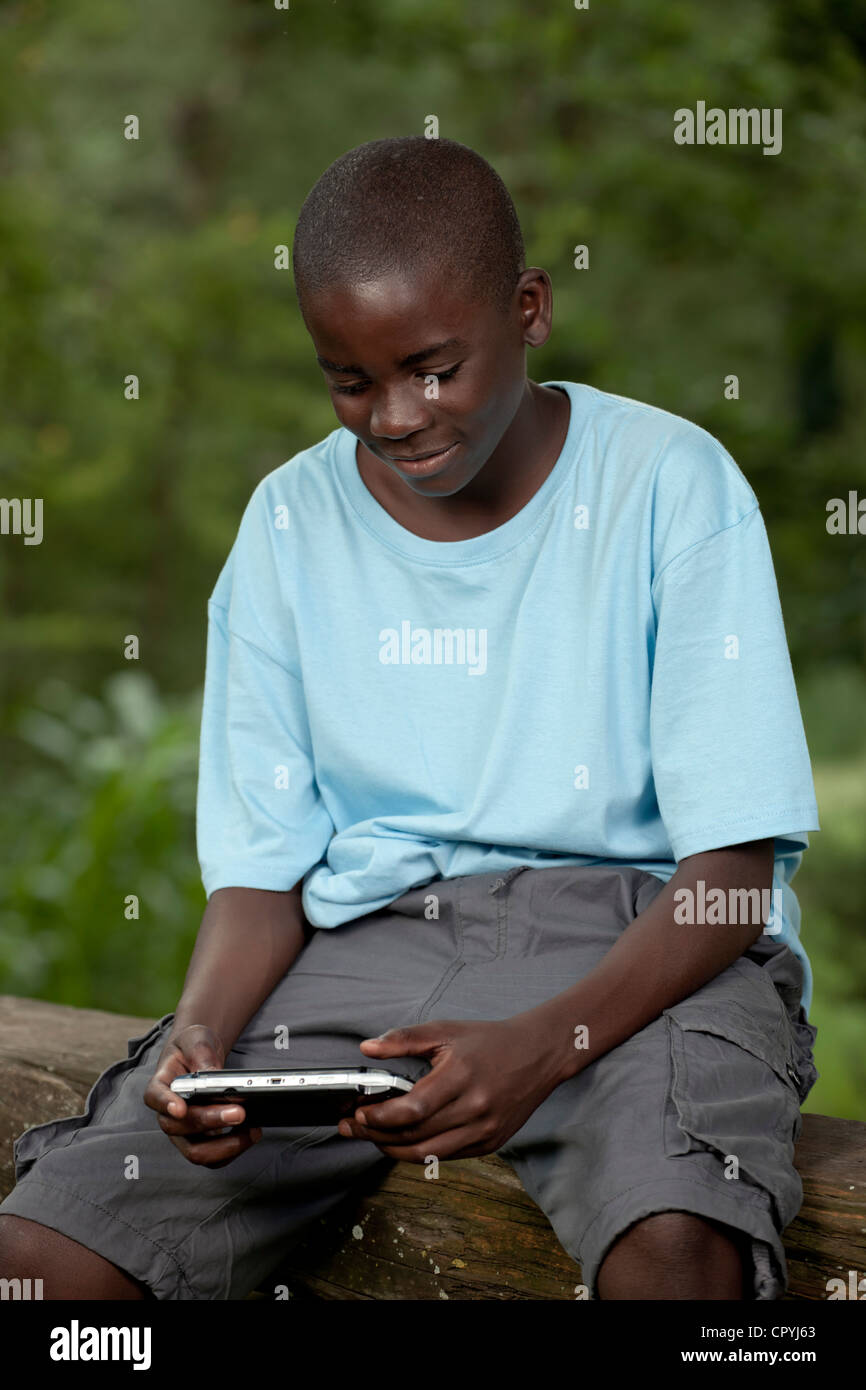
[(398, 412)]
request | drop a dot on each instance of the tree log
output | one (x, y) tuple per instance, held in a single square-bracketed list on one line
[(471, 1233)]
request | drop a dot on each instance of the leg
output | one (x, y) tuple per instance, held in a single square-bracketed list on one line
[(674, 1255), (106, 1207), (29, 1250), (669, 1160)]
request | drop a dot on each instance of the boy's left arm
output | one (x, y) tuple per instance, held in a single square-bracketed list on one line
[(488, 1077), (658, 961)]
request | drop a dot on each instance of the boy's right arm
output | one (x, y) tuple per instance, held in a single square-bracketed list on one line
[(248, 939)]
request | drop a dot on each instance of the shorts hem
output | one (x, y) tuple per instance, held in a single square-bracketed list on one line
[(99, 1230), (769, 1267)]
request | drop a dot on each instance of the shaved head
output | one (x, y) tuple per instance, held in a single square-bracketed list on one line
[(409, 204)]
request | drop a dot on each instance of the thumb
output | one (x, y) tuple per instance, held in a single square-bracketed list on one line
[(201, 1055), (200, 1047), (405, 1042)]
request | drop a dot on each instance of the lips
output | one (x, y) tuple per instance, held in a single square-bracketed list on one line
[(419, 458)]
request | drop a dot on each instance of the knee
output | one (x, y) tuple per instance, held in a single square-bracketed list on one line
[(15, 1231), (69, 1270), (19, 1242), (674, 1254), (668, 1237)]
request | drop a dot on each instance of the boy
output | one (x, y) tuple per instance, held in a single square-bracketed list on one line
[(499, 713)]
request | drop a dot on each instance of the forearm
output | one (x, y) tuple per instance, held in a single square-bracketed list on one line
[(248, 939), (656, 962)]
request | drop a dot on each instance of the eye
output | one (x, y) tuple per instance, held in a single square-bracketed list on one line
[(349, 390), (357, 387), (445, 376)]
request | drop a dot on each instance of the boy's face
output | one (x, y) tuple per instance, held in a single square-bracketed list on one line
[(377, 342)]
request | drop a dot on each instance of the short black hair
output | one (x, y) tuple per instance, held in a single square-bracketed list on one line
[(407, 203)]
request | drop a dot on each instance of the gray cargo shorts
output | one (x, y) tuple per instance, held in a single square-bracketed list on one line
[(697, 1112)]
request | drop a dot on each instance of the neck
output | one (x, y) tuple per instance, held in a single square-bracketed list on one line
[(515, 471), (524, 456)]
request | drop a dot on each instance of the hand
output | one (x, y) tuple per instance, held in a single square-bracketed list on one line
[(197, 1048), (485, 1081)]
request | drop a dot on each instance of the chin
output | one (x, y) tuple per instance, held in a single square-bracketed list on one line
[(432, 487)]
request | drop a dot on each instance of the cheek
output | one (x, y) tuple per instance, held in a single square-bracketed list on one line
[(347, 409), (495, 407), (475, 400)]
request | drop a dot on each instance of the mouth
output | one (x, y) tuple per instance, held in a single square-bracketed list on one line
[(421, 464)]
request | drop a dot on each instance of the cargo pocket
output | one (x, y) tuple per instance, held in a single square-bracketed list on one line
[(734, 1084), (55, 1134)]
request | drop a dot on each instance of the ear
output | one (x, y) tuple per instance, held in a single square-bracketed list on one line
[(534, 298)]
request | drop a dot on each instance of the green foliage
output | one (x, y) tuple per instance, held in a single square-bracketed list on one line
[(103, 810), (156, 257), (831, 887)]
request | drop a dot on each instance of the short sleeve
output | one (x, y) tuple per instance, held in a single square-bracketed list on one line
[(260, 818), (729, 755)]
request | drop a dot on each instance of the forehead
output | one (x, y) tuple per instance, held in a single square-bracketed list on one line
[(391, 317)]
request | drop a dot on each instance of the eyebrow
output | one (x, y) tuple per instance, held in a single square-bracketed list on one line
[(411, 361)]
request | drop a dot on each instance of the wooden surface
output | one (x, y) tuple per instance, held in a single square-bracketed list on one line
[(471, 1233), (474, 1233), (50, 1056)]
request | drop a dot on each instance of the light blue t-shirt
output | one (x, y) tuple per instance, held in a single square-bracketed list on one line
[(604, 678)]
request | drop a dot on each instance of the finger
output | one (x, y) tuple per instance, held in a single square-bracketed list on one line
[(457, 1113), (200, 1118), (463, 1142), (215, 1153), (227, 1135), (201, 1055), (158, 1094), (176, 1061), (428, 1097), (413, 1041)]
